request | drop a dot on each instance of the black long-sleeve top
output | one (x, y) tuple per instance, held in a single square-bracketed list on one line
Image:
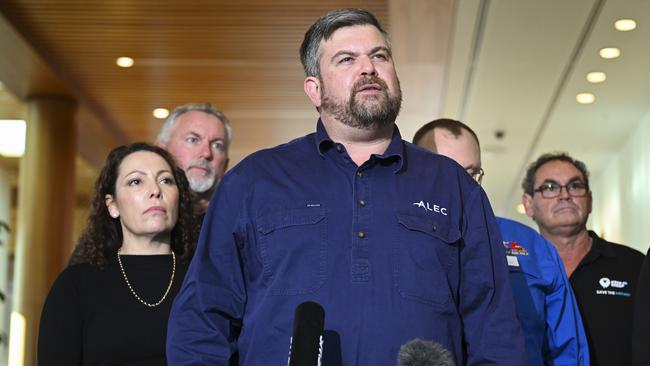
[(90, 316)]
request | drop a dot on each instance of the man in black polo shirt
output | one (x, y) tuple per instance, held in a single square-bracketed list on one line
[(603, 274)]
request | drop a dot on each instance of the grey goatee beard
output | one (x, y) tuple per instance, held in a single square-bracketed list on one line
[(365, 115), (205, 183)]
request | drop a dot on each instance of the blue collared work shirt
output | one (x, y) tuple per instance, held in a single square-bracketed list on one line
[(404, 246), (546, 305)]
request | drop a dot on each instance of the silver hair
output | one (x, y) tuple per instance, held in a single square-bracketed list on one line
[(323, 29), (168, 125)]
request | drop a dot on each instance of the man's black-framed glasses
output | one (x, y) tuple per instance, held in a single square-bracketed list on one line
[(477, 174), (553, 189)]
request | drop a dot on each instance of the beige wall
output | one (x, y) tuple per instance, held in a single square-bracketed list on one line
[(621, 210)]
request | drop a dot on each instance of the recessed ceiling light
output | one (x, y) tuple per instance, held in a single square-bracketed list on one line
[(161, 113), (625, 25), (521, 209), (12, 137), (609, 52), (124, 62), (596, 77), (585, 98)]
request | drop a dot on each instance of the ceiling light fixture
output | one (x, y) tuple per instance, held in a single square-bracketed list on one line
[(596, 77), (609, 52), (625, 25), (585, 98), (12, 137), (124, 62), (161, 113)]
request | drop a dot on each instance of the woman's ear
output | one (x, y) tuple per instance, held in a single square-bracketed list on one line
[(111, 206)]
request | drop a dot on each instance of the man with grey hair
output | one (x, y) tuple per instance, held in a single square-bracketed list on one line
[(394, 242), (603, 274), (198, 137)]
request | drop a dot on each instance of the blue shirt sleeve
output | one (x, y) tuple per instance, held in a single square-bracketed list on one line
[(203, 322), (566, 341), (491, 330)]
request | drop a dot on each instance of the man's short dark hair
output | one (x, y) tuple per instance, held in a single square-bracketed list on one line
[(451, 125), (528, 184), (323, 29)]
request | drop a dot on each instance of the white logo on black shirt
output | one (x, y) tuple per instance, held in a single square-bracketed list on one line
[(606, 283)]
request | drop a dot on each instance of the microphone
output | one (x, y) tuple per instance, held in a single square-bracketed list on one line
[(424, 353), (307, 339)]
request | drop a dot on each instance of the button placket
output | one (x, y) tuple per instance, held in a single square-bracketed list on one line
[(360, 270)]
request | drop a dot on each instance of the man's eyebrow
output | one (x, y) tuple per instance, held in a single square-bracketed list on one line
[(572, 179), (352, 53), (192, 133), (344, 52), (380, 48), (576, 179)]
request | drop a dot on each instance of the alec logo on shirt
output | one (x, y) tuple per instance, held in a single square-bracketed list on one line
[(607, 283), (431, 207)]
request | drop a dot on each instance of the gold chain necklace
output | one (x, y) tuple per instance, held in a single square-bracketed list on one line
[(171, 281)]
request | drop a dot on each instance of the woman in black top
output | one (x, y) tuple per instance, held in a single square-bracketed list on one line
[(110, 306)]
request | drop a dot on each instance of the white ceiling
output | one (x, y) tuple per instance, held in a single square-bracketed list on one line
[(516, 66), (510, 65)]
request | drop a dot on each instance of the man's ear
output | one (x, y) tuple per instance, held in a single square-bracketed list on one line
[(312, 88), (527, 200), (111, 206)]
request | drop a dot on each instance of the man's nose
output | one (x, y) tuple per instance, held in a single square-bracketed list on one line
[(367, 66), (205, 150), (564, 193)]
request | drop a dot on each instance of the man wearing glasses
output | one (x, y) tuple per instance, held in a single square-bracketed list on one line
[(603, 274), (546, 306)]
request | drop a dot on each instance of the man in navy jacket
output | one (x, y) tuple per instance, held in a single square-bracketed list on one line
[(396, 243)]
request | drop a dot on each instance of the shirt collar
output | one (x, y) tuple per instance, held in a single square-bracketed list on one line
[(394, 151), (600, 247), (323, 141)]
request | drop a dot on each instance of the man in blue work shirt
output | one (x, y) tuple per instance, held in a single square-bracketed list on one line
[(396, 243), (546, 305)]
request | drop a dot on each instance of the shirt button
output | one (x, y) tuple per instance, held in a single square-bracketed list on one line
[(362, 203), (361, 234), (434, 227), (359, 174), (339, 148)]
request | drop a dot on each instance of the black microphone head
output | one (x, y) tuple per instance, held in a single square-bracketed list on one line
[(308, 324), (424, 353)]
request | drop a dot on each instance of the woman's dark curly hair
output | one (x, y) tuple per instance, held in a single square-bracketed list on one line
[(102, 236)]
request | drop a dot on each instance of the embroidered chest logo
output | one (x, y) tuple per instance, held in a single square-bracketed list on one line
[(612, 288), (431, 207), (513, 248)]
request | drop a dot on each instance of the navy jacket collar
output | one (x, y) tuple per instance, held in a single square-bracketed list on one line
[(395, 150)]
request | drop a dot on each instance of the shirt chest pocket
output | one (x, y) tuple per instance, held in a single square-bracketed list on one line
[(425, 252), (293, 250)]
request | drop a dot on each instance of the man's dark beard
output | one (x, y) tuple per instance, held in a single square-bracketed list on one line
[(355, 113)]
